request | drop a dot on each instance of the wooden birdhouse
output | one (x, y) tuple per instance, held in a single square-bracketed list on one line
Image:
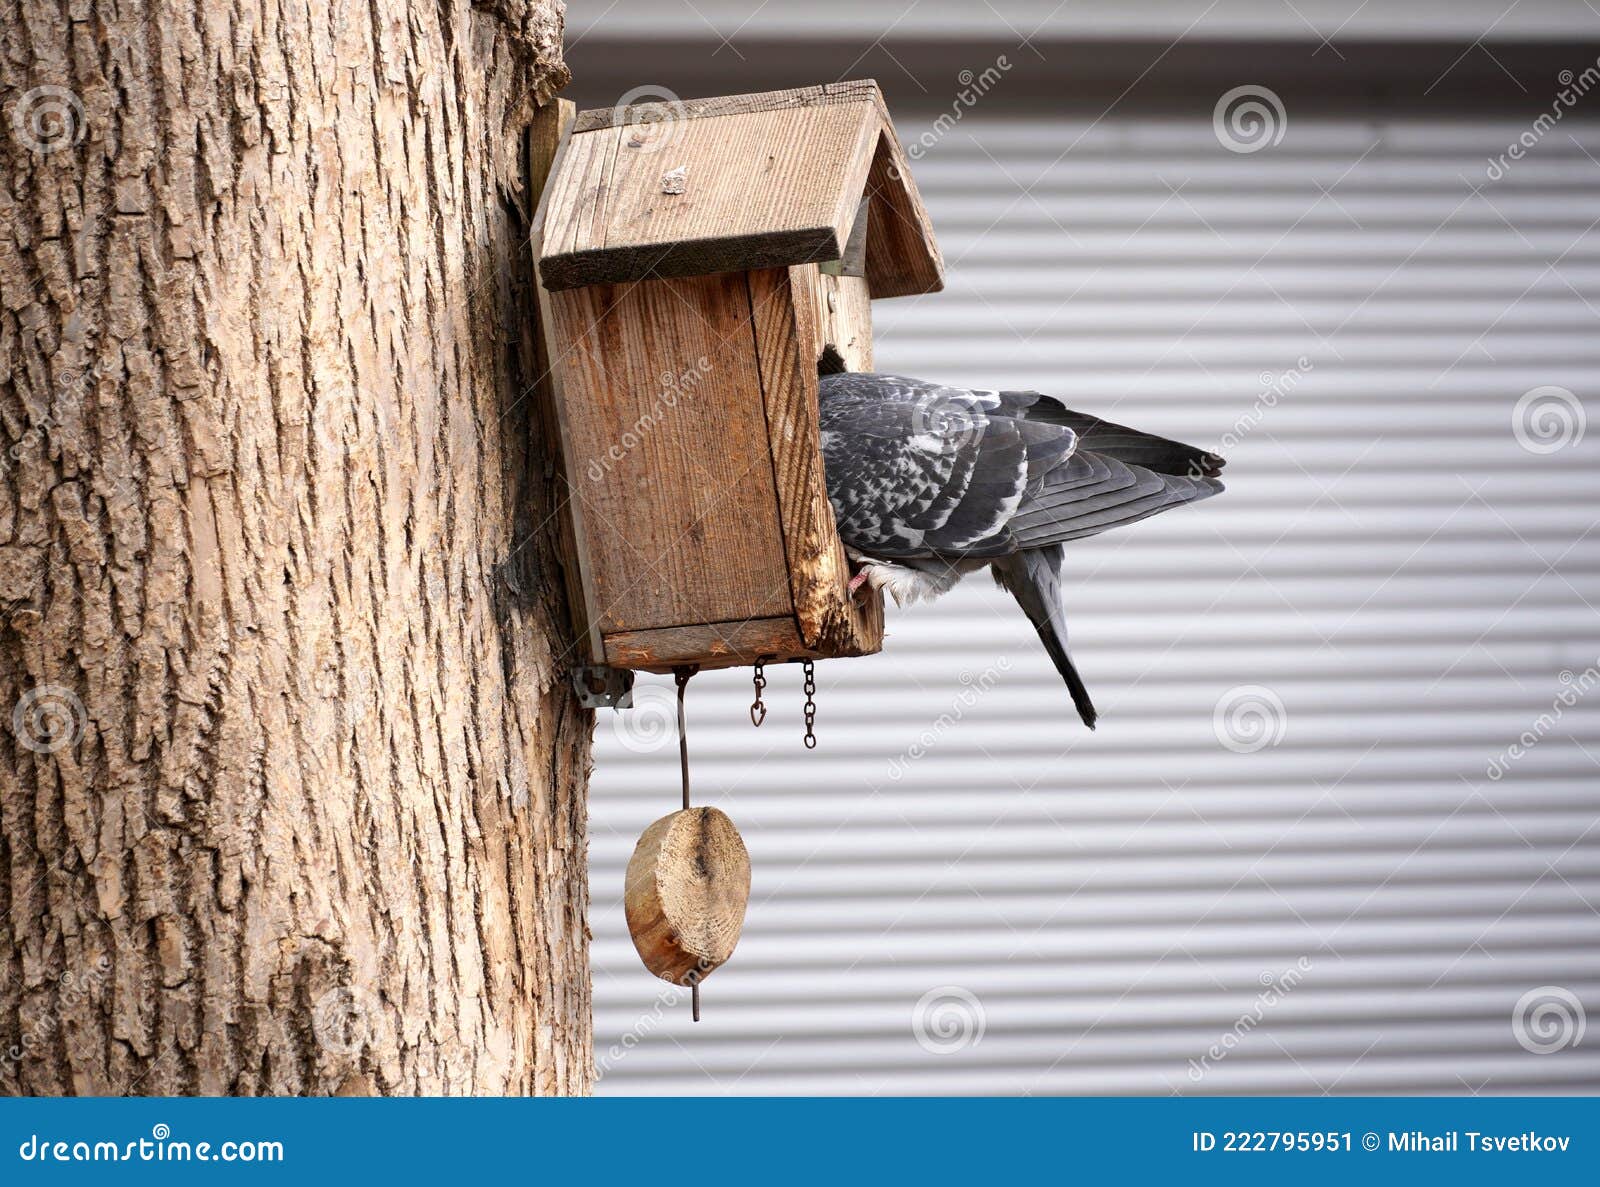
[(697, 261)]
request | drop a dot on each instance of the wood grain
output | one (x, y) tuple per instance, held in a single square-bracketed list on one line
[(903, 257), (767, 180), (711, 645), (861, 90), (842, 315), (549, 137), (660, 399), (757, 189), (688, 883), (788, 342)]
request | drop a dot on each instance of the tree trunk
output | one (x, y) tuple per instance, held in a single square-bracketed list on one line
[(293, 784)]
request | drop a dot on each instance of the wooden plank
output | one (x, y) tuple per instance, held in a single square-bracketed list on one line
[(667, 453), (711, 645), (549, 139), (861, 90), (724, 193), (787, 343), (903, 258), (769, 180), (841, 308), (576, 196)]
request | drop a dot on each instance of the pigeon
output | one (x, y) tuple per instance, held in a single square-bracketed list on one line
[(929, 483)]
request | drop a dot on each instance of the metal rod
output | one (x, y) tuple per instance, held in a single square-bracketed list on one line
[(681, 676)]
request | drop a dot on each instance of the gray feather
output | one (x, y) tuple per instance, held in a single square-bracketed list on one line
[(930, 481)]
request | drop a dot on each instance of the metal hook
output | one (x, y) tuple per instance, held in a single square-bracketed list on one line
[(680, 676), (758, 711)]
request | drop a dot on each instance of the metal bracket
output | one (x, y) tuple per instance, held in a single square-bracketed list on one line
[(854, 260), (600, 687)]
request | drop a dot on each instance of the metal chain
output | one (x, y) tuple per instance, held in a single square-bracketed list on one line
[(758, 711), (811, 705)]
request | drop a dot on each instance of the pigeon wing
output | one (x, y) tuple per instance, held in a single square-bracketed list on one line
[(918, 469)]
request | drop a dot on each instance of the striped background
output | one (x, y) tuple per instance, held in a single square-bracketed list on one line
[(1088, 913)]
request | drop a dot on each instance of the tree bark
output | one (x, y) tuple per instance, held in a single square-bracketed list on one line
[(293, 794)]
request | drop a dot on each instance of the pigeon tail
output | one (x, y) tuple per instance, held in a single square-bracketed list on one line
[(1033, 577)]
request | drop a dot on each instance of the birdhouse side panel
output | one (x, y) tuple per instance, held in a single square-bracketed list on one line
[(789, 340), (672, 482), (841, 308)]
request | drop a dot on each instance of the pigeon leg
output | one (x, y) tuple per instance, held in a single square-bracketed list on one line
[(857, 581)]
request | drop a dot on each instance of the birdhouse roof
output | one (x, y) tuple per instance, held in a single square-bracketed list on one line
[(686, 188)]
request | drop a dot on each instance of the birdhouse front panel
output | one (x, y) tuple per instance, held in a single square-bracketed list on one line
[(678, 498), (697, 266)]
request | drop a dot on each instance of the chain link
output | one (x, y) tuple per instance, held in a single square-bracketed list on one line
[(758, 711), (811, 705)]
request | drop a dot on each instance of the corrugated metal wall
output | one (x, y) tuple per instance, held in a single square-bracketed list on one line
[(961, 890)]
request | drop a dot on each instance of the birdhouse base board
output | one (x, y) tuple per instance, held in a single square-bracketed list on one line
[(715, 645)]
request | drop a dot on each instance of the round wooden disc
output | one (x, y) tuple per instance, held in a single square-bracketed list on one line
[(688, 883)]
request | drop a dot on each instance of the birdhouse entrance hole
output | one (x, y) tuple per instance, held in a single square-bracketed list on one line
[(697, 262)]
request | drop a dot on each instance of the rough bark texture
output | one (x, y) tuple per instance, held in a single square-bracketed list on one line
[(292, 784)]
